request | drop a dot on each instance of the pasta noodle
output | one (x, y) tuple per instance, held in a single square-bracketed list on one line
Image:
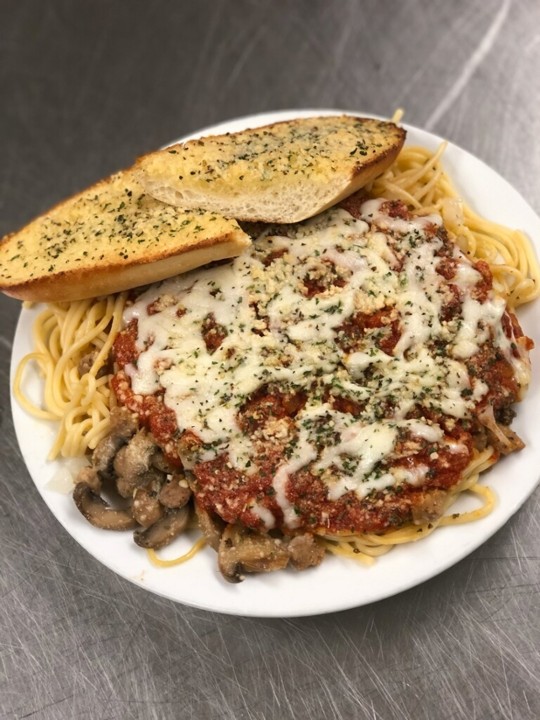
[(67, 335), (160, 562), (80, 399)]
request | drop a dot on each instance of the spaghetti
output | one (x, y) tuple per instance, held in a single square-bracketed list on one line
[(72, 344)]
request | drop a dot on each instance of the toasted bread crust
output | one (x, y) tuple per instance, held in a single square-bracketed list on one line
[(114, 236), (108, 238), (283, 172), (84, 283)]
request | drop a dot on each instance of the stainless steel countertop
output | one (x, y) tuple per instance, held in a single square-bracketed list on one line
[(87, 86)]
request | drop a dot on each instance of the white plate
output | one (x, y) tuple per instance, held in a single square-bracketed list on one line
[(337, 584)]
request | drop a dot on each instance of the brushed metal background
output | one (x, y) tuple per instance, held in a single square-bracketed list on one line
[(85, 87)]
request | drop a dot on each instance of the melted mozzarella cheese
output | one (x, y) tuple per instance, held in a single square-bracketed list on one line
[(278, 332), (478, 320)]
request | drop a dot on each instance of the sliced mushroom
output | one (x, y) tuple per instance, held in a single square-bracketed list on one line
[(503, 438), (175, 491), (90, 476), (305, 551), (123, 426), (123, 422), (146, 507), (126, 485), (98, 512), (86, 363), (430, 506), (505, 414), (160, 462), (241, 551), (161, 533), (212, 526), (133, 462), (104, 454)]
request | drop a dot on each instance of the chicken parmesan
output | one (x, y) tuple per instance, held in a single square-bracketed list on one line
[(334, 389), (338, 378)]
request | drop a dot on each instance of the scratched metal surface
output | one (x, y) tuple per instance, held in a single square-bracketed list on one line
[(86, 86)]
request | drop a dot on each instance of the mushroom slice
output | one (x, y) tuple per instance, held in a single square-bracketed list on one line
[(126, 485), (86, 363), (305, 551), (430, 506), (104, 454), (160, 462), (90, 476), (175, 491), (162, 532), (211, 525), (503, 438), (123, 426), (98, 512), (133, 461), (243, 551), (146, 507)]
